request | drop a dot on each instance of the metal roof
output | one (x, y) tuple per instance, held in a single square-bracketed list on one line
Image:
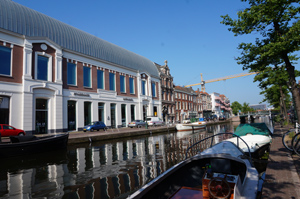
[(25, 21)]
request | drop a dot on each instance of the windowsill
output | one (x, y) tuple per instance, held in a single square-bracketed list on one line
[(2, 75), (72, 85), (87, 87)]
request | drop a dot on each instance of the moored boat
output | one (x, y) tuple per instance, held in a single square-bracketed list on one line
[(221, 171), (256, 135), (187, 125), (29, 144)]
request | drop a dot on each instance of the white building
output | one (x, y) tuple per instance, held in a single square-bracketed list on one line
[(54, 77)]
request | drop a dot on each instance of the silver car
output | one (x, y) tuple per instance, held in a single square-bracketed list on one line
[(136, 123)]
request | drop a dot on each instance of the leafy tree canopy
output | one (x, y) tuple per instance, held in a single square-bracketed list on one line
[(278, 26)]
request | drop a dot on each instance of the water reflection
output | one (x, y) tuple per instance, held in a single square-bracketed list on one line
[(98, 170)]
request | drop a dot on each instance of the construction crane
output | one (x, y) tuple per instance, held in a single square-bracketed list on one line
[(218, 79)]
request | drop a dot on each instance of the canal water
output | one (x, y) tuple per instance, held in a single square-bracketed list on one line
[(112, 169)]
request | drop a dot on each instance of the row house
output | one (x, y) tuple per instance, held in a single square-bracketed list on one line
[(215, 101), (203, 103), (225, 105), (186, 103), (167, 93), (54, 77)]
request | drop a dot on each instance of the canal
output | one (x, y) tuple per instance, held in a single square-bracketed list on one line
[(112, 169)]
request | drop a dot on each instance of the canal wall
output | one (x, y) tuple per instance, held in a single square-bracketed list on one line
[(119, 133)]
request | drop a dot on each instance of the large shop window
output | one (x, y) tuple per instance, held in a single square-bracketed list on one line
[(87, 77), (100, 79), (113, 115), (112, 81), (87, 113), (71, 74), (132, 108), (41, 116), (153, 90), (123, 113), (131, 85), (155, 110), (143, 87), (4, 110), (101, 112), (5, 60), (71, 115), (42, 68), (122, 84)]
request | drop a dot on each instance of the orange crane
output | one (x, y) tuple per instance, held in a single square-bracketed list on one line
[(219, 79)]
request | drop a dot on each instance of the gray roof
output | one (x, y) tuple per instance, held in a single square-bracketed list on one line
[(25, 21)]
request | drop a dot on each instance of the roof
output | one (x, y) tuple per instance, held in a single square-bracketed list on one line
[(25, 21)]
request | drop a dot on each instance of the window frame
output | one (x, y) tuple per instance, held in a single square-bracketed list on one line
[(99, 80), (144, 87), (90, 77), (75, 74), (10, 61), (112, 83), (131, 85), (49, 66), (122, 84), (153, 87)]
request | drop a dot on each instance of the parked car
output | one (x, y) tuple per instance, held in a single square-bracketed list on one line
[(7, 130), (222, 117), (97, 125), (154, 121), (137, 123), (213, 117)]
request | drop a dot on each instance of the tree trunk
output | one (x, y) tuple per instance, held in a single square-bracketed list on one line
[(293, 84), (284, 112)]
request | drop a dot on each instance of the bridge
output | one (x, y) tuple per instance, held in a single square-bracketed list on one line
[(253, 115)]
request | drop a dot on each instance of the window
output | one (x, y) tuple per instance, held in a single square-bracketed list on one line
[(132, 107), (122, 84), (143, 87), (131, 85), (87, 77), (5, 60), (42, 67), (100, 79), (111, 81), (153, 89), (71, 74)]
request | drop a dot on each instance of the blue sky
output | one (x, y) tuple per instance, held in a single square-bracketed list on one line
[(186, 33)]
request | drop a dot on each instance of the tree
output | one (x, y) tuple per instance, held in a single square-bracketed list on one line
[(246, 108), (278, 25), (236, 107)]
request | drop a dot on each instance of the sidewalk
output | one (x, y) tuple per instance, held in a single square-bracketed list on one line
[(283, 169)]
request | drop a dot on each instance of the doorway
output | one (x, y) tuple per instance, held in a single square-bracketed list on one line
[(41, 116)]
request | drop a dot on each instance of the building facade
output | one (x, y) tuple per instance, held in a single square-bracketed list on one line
[(185, 102), (54, 77), (167, 93)]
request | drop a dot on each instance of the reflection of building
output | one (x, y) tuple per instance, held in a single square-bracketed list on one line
[(167, 93), (185, 100), (54, 77)]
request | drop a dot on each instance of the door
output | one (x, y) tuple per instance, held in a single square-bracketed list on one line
[(41, 116)]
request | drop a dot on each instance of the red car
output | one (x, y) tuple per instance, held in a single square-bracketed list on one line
[(7, 130)]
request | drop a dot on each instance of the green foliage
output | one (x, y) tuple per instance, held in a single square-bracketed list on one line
[(277, 26), (236, 107)]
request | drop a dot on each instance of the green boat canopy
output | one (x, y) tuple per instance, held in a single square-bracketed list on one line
[(253, 128)]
